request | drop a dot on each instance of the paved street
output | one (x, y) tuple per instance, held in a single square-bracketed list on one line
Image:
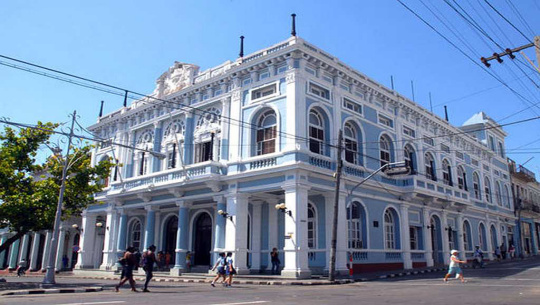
[(508, 283)]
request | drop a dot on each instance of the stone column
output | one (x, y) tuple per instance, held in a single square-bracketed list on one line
[(236, 230), (88, 236), (489, 240), (461, 240), (149, 233), (342, 239), (188, 139), (24, 246), (428, 247), (256, 219), (46, 250), (58, 266), (445, 240), (34, 252), (14, 254), (272, 225), (219, 232), (122, 234), (109, 255), (296, 248), (2, 255), (405, 237), (182, 237)]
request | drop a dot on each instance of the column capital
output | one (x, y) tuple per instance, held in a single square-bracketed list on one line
[(144, 197), (177, 193), (238, 196), (218, 199), (295, 186), (183, 203), (151, 208)]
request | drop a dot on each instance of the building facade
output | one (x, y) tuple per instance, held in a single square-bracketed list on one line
[(236, 140), (526, 192)]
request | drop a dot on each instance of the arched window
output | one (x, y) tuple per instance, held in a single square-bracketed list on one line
[(390, 230), (487, 189), (482, 237), (467, 242), (351, 143), (385, 148), (506, 197), (430, 167), (462, 178), (476, 186), (144, 141), (312, 227), (498, 193), (316, 132), (135, 236), (447, 172), (266, 133), (355, 217), (410, 159)]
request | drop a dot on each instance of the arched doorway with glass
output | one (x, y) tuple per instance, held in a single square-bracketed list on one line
[(494, 239), (202, 239), (170, 229), (436, 239)]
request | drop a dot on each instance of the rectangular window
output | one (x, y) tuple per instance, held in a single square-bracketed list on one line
[(310, 71), (328, 79), (319, 91), (352, 105), (218, 92), (264, 75), (386, 121), (409, 131), (171, 157), (351, 149), (344, 87), (474, 162), (266, 140), (445, 148), (491, 143), (501, 150), (263, 92), (429, 141), (203, 151), (143, 164), (282, 69), (246, 82), (413, 233), (316, 138), (459, 155), (486, 168)]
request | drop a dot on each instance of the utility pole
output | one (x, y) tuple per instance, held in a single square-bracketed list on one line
[(332, 269), (49, 275), (509, 52)]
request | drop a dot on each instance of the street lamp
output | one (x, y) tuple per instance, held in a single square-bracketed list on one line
[(283, 208), (225, 214)]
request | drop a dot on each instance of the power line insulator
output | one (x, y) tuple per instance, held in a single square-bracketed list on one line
[(485, 62), (512, 56), (498, 57)]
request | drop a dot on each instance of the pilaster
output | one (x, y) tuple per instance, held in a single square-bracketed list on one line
[(34, 252), (428, 246), (182, 237)]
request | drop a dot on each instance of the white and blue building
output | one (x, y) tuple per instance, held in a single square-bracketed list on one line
[(262, 130)]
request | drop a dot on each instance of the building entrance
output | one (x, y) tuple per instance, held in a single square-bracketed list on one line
[(203, 240), (171, 229), (436, 240)]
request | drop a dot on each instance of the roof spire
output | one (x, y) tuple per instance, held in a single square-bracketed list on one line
[(101, 110), (293, 30), (241, 46)]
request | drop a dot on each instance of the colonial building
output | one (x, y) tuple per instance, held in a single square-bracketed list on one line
[(526, 192), (234, 141)]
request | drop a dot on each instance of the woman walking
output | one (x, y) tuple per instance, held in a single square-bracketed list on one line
[(220, 265), (454, 267), (230, 269), (130, 261)]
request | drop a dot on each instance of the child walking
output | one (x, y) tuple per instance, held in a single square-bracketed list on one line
[(220, 265), (454, 267)]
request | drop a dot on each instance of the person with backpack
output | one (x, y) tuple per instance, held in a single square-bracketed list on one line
[(230, 271), (148, 260), (220, 265), (130, 264)]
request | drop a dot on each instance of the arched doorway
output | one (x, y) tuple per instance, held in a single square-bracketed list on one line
[(436, 239), (494, 239), (41, 247), (75, 250), (29, 248), (169, 237), (202, 244)]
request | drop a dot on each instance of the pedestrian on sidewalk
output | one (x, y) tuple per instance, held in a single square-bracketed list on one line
[(230, 270), (220, 266), (274, 257), (512, 251), (188, 261), (454, 267), (498, 253), (149, 259), (130, 264), (503, 251), (160, 260), (478, 258), (23, 265)]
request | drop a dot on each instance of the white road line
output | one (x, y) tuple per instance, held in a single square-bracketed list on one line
[(450, 284), (91, 303), (242, 303)]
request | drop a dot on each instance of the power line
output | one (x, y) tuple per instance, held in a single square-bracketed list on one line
[(508, 21)]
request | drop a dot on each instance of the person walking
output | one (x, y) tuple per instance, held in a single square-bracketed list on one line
[(188, 261), (167, 259), (498, 253), (512, 251), (149, 259), (454, 268), (230, 271), (220, 266), (22, 267), (503, 251), (274, 257), (130, 262), (478, 258)]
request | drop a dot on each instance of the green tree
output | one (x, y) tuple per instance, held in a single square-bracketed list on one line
[(29, 191)]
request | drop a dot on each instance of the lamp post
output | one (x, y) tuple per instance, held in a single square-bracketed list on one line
[(49, 274)]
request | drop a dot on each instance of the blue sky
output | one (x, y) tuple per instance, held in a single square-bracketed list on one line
[(130, 43)]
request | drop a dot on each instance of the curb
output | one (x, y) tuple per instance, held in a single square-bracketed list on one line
[(51, 291), (400, 274)]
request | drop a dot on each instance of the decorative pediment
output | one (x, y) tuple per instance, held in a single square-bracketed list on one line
[(178, 77)]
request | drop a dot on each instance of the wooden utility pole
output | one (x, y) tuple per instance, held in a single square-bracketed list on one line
[(332, 269), (509, 52)]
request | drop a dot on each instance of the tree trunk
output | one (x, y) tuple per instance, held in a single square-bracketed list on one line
[(5, 246)]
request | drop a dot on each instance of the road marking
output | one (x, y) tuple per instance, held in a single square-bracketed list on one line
[(242, 303), (91, 303), (447, 284)]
